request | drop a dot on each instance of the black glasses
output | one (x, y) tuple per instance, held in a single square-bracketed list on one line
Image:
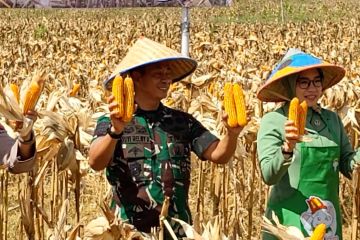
[(305, 83)]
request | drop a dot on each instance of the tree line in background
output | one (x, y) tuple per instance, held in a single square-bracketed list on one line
[(107, 3)]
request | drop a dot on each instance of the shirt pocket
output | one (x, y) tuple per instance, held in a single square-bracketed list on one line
[(180, 160), (319, 164), (139, 165)]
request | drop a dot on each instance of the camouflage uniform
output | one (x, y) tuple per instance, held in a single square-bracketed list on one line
[(152, 160)]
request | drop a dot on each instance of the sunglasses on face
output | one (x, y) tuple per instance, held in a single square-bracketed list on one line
[(305, 83)]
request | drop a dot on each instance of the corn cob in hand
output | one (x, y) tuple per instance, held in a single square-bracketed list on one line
[(234, 104), (16, 91), (33, 93), (123, 92), (297, 113)]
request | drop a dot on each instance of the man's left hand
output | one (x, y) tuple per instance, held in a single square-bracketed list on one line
[(27, 125)]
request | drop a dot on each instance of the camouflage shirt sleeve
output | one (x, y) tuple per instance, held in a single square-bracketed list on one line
[(101, 127), (201, 138)]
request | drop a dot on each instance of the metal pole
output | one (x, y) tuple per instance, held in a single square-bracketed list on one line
[(185, 32), (282, 11)]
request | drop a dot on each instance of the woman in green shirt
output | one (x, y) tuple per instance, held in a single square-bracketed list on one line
[(304, 175)]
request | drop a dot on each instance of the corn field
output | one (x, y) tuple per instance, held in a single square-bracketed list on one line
[(62, 196)]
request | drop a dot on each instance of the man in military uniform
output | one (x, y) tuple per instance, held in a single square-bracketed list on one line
[(148, 159)]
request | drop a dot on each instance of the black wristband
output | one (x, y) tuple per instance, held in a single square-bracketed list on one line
[(112, 134), (286, 154)]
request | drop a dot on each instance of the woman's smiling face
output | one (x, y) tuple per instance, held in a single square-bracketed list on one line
[(309, 86)]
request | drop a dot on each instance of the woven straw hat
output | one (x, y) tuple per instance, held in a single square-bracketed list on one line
[(147, 52), (295, 61)]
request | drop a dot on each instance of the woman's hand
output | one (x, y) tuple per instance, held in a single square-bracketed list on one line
[(291, 136), (231, 130)]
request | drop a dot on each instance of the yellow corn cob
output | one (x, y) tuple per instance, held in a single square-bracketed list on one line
[(294, 111), (129, 99), (302, 117), (229, 105), (118, 93), (34, 91), (74, 90), (31, 97), (15, 89), (319, 232), (240, 105)]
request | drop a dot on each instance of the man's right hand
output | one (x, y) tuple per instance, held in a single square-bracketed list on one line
[(117, 123)]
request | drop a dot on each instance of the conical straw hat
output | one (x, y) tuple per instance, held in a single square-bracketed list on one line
[(296, 61), (147, 52)]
